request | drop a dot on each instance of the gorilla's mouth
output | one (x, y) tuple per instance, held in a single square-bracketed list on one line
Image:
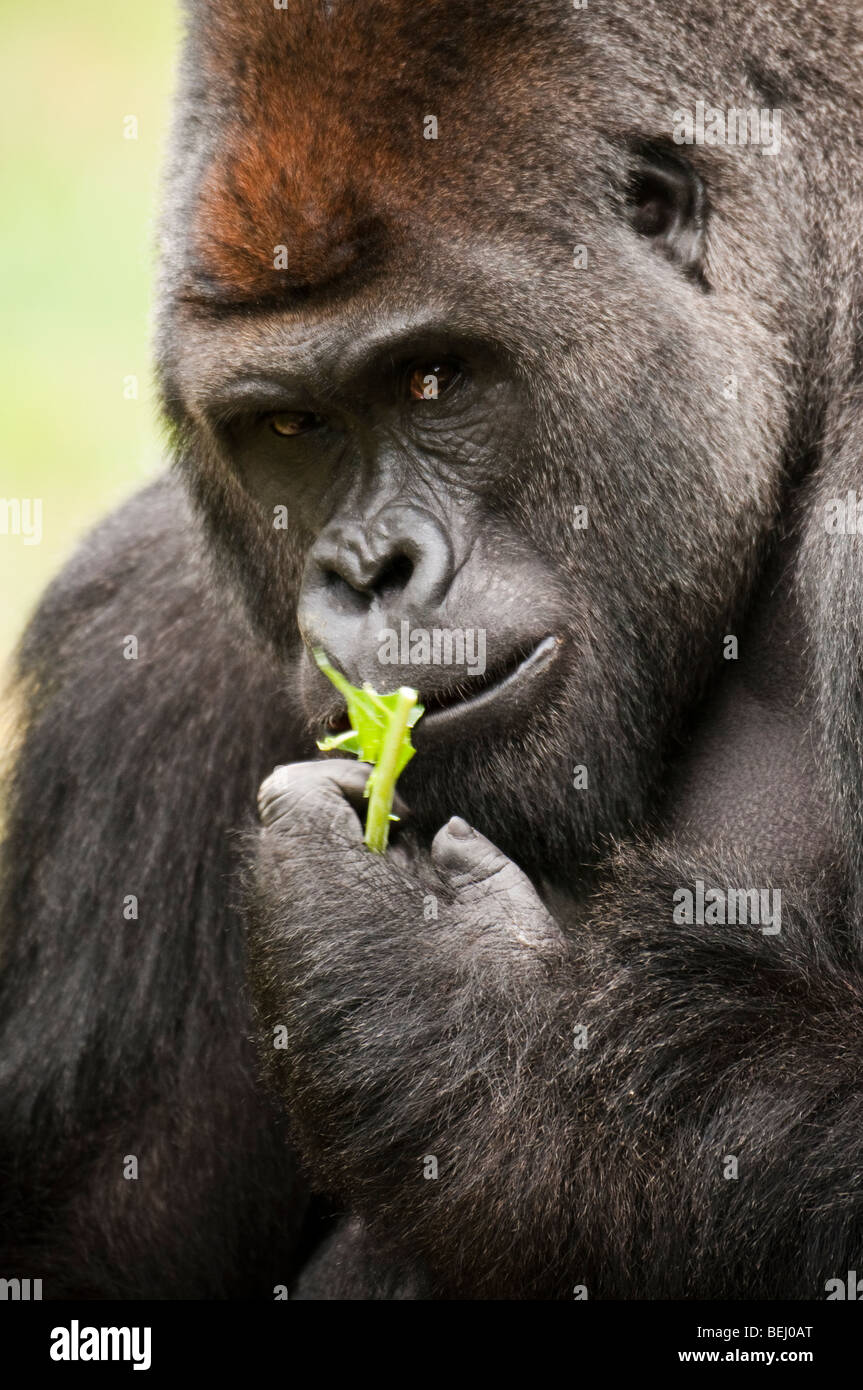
[(503, 690)]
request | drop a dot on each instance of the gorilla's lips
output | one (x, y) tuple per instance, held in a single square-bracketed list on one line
[(502, 692)]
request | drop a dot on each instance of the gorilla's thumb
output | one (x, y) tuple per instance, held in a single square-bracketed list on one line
[(464, 858)]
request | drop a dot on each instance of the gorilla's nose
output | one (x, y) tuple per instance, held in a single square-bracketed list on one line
[(363, 576), (402, 557)]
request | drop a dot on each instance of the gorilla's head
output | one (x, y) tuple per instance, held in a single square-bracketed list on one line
[(458, 339)]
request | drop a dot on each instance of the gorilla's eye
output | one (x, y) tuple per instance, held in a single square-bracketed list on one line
[(432, 379), (668, 205), (291, 422)]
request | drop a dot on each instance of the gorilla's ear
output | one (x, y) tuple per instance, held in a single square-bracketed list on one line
[(668, 205)]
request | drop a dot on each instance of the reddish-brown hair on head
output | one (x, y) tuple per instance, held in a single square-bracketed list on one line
[(282, 212), (321, 147)]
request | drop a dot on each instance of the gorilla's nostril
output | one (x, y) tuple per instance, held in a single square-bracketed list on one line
[(394, 577)]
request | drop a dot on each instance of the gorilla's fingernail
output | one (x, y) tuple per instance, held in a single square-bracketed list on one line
[(458, 828)]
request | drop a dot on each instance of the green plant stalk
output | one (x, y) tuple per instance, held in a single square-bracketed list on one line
[(383, 779)]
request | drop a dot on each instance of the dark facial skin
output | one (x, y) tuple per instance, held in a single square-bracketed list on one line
[(392, 488)]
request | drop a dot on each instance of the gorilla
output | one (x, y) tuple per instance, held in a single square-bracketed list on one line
[(534, 324)]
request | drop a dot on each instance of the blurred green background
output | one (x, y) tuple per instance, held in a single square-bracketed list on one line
[(76, 260)]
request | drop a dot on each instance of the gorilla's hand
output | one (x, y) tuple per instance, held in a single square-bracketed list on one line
[(313, 867), (373, 977)]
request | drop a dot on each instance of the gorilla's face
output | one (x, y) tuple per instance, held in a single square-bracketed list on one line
[(515, 412)]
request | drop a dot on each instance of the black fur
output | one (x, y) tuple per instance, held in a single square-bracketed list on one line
[(131, 1036)]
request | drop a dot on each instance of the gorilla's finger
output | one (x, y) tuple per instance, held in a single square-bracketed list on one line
[(481, 874), (465, 858), (355, 788), (320, 795), (350, 776)]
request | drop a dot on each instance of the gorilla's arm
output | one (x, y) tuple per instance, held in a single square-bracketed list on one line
[(122, 1011), (560, 1164)]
